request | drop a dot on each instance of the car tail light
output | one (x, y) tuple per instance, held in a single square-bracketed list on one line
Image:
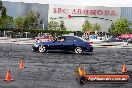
[(90, 43)]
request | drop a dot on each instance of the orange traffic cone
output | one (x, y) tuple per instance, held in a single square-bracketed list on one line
[(21, 65), (8, 76), (81, 71), (124, 70)]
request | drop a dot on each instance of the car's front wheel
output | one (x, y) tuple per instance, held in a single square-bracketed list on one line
[(78, 50), (42, 49)]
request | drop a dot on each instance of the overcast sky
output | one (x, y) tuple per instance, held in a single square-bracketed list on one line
[(112, 3)]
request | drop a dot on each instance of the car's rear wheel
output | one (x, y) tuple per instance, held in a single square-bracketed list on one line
[(42, 49), (78, 50)]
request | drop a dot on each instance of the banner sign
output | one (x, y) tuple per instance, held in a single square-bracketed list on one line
[(126, 36), (84, 11)]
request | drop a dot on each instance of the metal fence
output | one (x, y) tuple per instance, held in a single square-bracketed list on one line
[(15, 35), (12, 34)]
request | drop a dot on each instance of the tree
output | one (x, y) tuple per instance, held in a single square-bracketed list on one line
[(96, 27), (3, 13), (6, 23), (19, 22), (29, 21), (120, 26), (1, 5), (112, 27), (5, 20), (52, 25), (62, 26), (86, 26)]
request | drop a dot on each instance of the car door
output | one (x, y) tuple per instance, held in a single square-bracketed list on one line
[(68, 44), (57, 44)]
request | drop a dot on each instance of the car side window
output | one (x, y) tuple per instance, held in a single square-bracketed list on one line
[(74, 39), (60, 39), (69, 39)]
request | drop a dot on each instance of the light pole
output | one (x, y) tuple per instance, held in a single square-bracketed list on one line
[(43, 26), (42, 22), (26, 34)]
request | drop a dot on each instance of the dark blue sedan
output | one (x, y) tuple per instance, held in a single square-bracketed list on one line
[(68, 43)]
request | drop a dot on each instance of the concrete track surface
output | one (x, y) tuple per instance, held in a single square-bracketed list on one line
[(57, 69)]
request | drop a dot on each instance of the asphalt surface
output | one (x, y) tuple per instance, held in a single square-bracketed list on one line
[(57, 69)]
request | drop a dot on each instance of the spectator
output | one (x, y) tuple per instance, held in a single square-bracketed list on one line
[(38, 41)]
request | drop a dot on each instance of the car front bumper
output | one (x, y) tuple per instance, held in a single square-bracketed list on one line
[(35, 48)]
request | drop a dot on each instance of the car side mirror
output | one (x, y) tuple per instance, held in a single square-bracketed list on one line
[(54, 40)]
